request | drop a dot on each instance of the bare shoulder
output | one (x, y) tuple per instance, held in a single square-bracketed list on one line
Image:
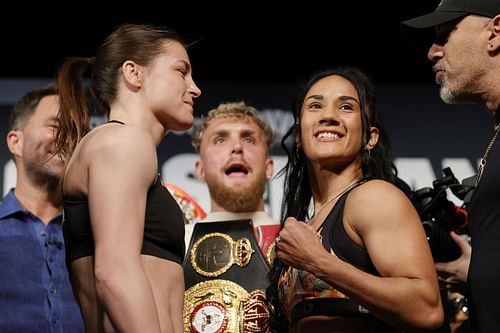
[(111, 154), (114, 147), (117, 142), (378, 200), (377, 191), (112, 137)]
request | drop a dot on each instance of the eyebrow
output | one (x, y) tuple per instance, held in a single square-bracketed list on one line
[(343, 98), (248, 132), (319, 97), (225, 132), (349, 98)]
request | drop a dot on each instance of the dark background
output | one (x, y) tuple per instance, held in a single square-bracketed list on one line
[(237, 42), (257, 52)]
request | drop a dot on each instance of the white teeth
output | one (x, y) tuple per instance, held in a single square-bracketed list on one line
[(328, 135)]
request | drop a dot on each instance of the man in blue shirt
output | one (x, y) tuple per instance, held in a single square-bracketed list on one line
[(35, 292)]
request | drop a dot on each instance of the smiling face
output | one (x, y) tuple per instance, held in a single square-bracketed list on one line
[(330, 123), (170, 88), (33, 145), (234, 163)]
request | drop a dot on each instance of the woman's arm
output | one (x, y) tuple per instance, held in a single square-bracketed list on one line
[(381, 219), (120, 173)]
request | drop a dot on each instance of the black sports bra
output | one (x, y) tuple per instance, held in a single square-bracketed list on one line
[(335, 237), (163, 228), (311, 296)]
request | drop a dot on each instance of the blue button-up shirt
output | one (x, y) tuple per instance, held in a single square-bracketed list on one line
[(35, 292)]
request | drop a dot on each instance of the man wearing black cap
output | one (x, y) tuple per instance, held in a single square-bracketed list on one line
[(466, 56)]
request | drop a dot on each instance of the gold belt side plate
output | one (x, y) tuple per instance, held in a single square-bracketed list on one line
[(214, 253)]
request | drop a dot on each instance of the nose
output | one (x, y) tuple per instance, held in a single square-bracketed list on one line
[(237, 148), (194, 90), (329, 116), (435, 52)]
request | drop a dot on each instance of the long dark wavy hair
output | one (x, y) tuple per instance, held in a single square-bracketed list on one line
[(377, 164)]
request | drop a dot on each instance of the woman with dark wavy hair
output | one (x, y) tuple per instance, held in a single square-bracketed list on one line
[(361, 261)]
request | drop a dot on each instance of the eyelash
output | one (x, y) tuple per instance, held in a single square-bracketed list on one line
[(350, 107), (314, 106), (222, 140), (342, 106)]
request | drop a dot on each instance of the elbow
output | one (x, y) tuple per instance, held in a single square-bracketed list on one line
[(429, 315), (430, 319), (103, 279), (435, 319), (108, 275), (424, 314), (434, 316), (113, 274)]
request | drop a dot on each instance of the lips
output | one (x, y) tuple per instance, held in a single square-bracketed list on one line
[(236, 169), (439, 76), (438, 72), (328, 134)]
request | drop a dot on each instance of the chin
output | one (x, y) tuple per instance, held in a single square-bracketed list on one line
[(239, 182), (182, 126), (57, 165)]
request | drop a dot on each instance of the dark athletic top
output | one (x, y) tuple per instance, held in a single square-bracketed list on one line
[(163, 228), (335, 238), (484, 226), (310, 296)]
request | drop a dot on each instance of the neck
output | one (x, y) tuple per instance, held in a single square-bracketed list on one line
[(320, 211), (339, 191), (45, 203), (145, 120), (326, 183)]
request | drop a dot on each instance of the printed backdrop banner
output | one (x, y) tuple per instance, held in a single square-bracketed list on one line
[(426, 134)]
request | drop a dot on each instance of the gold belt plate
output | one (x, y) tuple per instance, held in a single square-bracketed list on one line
[(218, 306), (214, 253)]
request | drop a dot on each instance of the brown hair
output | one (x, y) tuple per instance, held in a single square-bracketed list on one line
[(25, 107), (140, 43)]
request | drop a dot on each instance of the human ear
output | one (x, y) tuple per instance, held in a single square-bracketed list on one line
[(269, 168), (372, 141), (132, 73), (15, 142), (199, 171), (494, 36)]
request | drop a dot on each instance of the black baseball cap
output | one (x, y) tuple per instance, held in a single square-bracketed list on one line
[(449, 10)]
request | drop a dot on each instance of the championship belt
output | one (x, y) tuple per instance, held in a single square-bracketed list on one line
[(214, 253), (225, 275), (218, 306)]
